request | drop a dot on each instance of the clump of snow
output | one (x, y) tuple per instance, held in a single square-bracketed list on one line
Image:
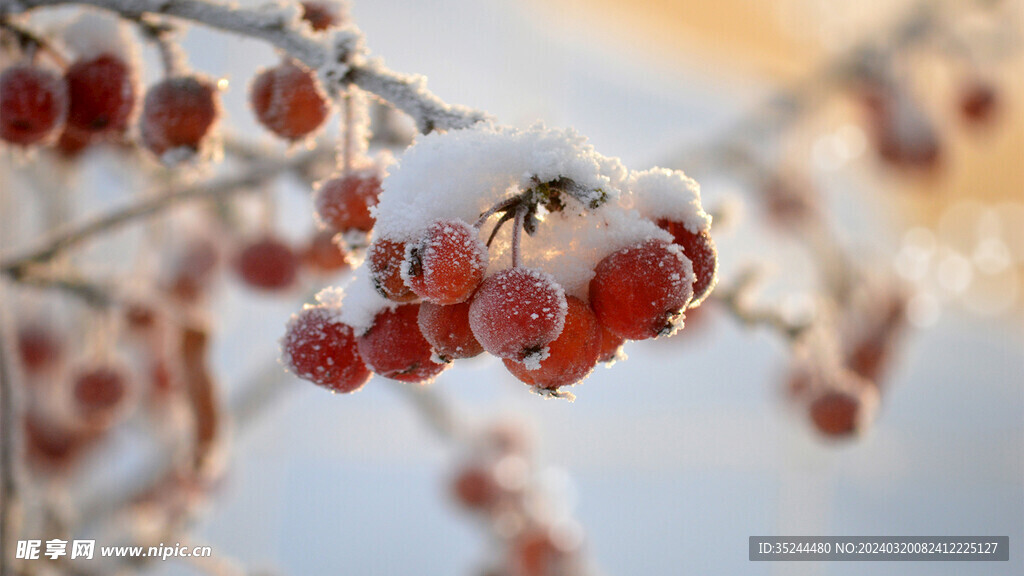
[(96, 33), (462, 173), (362, 302), (670, 194)]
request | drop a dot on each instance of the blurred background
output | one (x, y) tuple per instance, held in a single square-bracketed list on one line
[(669, 461)]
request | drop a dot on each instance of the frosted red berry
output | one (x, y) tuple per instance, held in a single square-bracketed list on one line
[(447, 264), (178, 114), (446, 328), (610, 345), (384, 260), (324, 254), (268, 264), (318, 347), (641, 292), (33, 104), (699, 248), (394, 347), (101, 95), (288, 100), (571, 356), (343, 203), (517, 312), (322, 15)]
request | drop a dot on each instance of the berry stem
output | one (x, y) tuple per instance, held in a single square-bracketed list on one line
[(500, 206), (517, 235), (31, 43)]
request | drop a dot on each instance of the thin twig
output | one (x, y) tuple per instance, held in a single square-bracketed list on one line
[(17, 266), (735, 299)]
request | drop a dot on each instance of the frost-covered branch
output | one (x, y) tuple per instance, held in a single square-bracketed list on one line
[(337, 56)]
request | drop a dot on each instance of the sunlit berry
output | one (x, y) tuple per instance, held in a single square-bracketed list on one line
[(288, 100), (611, 344), (517, 312), (699, 248), (641, 292), (447, 264), (320, 348), (324, 254), (394, 347), (384, 261), (343, 203), (571, 356), (446, 328)]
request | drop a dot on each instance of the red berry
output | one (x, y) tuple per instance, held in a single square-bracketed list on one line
[(640, 292), (447, 264), (572, 356), (177, 115), (268, 264), (101, 95), (700, 249), (320, 348), (39, 346), (394, 348), (33, 104), (288, 100), (322, 15), (476, 488), (323, 254), (979, 102), (610, 345), (837, 414), (343, 203), (517, 312), (99, 391), (446, 328), (384, 260)]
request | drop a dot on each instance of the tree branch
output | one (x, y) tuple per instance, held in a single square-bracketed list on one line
[(277, 26)]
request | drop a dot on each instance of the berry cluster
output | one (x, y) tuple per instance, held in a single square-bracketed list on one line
[(594, 256), (95, 98), (498, 481)]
